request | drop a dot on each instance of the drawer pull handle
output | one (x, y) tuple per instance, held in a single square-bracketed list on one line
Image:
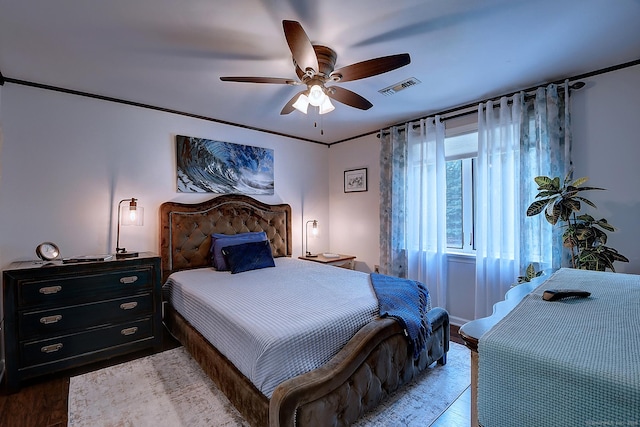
[(129, 279), (51, 290), (129, 331), (128, 305), (51, 319), (51, 348)]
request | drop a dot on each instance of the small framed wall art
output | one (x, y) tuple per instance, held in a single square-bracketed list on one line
[(355, 180)]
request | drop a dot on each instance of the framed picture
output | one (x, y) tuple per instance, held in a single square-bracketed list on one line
[(355, 180), (209, 166)]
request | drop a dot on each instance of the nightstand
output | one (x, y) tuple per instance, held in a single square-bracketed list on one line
[(344, 261), (58, 316)]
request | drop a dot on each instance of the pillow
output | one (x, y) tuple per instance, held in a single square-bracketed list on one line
[(219, 241), (248, 256)]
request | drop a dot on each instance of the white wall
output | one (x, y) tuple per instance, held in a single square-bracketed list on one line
[(606, 147), (355, 219), (67, 160)]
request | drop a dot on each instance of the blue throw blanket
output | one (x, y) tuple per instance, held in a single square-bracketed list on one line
[(406, 301)]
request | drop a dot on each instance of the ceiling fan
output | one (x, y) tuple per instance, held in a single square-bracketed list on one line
[(314, 66)]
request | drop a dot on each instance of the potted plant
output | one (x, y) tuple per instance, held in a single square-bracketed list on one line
[(585, 236), (529, 274)]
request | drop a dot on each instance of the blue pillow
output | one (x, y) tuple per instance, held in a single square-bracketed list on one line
[(248, 256), (219, 241)]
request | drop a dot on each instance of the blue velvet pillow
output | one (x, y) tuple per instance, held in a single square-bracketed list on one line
[(219, 241), (248, 256)]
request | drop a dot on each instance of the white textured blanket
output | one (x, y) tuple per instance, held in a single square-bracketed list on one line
[(275, 323), (572, 362)]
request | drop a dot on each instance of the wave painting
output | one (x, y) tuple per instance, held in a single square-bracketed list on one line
[(207, 166)]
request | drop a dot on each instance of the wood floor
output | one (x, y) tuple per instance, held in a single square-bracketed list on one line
[(44, 402), (459, 413)]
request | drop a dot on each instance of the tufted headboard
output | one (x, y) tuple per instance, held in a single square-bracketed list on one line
[(185, 229)]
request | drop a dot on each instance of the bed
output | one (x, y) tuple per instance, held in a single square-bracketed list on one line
[(374, 362)]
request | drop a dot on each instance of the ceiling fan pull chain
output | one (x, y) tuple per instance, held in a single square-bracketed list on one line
[(321, 125)]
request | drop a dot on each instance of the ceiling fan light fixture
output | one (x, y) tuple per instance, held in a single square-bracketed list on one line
[(316, 96), (326, 106), (302, 103)]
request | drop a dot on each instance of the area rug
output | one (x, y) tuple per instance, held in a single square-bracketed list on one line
[(170, 389)]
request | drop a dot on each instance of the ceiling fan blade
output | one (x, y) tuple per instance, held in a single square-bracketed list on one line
[(288, 108), (349, 98), (371, 67), (274, 80), (300, 46)]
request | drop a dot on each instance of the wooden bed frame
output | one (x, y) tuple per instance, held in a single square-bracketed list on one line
[(374, 363)]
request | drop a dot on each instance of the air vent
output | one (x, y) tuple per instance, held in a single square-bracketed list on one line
[(390, 90)]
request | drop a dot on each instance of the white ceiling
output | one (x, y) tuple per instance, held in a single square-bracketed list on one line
[(171, 53)]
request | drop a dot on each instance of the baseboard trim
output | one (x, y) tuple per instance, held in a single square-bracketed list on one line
[(457, 321)]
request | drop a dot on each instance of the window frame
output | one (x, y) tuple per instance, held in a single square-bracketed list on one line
[(468, 186)]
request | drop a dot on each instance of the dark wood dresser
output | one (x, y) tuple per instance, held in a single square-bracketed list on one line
[(58, 316)]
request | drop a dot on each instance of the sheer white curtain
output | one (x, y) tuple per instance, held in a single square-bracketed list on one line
[(497, 226), (518, 139), (426, 207)]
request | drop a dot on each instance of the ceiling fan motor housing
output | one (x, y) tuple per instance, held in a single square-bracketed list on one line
[(326, 60), (326, 64)]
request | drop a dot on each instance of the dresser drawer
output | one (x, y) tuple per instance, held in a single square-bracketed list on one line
[(64, 320), (55, 349), (75, 289)]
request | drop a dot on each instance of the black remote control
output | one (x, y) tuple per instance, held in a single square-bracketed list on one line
[(556, 294)]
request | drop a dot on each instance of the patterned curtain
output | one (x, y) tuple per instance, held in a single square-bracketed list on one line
[(393, 176), (519, 139), (545, 141)]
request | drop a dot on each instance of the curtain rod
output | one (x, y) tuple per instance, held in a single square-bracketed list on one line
[(473, 108), (528, 95), (475, 104)]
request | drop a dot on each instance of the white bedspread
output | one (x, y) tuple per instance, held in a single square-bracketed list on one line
[(275, 323)]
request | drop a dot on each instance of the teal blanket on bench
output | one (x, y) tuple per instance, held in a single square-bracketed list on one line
[(407, 301), (573, 362)]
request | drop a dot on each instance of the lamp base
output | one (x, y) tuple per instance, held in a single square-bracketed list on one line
[(122, 255), (309, 255)]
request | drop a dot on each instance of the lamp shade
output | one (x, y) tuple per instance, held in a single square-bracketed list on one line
[(314, 230), (302, 103), (326, 106), (131, 214), (316, 96)]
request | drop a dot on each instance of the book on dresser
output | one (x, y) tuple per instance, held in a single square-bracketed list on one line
[(59, 315)]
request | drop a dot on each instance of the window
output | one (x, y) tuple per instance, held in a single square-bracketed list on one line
[(460, 152)]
